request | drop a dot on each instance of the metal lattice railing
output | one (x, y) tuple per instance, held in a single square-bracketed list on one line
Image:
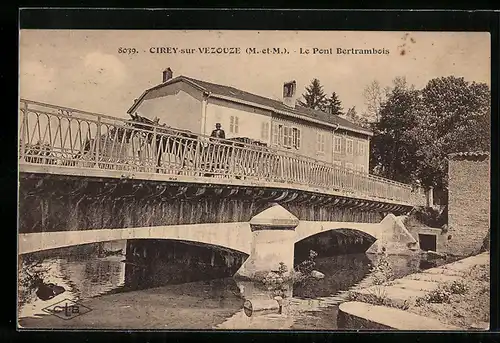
[(54, 135)]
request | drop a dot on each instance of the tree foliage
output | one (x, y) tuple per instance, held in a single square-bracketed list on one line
[(353, 116), (314, 96), (419, 128), (334, 105)]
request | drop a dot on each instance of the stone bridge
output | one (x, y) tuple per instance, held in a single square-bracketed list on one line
[(86, 177), (268, 238)]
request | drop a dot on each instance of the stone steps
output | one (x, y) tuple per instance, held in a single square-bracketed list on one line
[(381, 317)]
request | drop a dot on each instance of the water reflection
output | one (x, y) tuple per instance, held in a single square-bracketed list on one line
[(80, 279), (81, 276), (117, 267), (154, 263), (340, 271)]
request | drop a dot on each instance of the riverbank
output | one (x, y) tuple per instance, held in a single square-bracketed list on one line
[(455, 294)]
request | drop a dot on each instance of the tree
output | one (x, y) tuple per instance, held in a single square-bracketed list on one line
[(374, 97), (353, 116), (393, 147), (314, 97), (334, 105), (419, 128), (457, 118)]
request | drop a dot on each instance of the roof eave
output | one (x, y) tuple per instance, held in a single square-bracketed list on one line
[(288, 113), (257, 105), (163, 84)]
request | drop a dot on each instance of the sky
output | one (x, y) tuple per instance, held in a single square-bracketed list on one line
[(83, 69)]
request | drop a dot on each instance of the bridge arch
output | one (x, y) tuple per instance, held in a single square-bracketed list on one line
[(334, 238), (233, 236)]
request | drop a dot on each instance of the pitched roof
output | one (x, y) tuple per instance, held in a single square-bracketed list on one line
[(233, 94)]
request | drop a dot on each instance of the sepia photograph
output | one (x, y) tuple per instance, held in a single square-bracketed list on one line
[(253, 180)]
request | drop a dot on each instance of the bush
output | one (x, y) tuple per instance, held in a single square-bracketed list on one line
[(378, 297), (430, 217), (443, 293), (306, 267), (32, 274), (276, 281), (457, 287), (382, 272), (438, 296)]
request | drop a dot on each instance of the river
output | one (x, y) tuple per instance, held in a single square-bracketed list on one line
[(112, 289)]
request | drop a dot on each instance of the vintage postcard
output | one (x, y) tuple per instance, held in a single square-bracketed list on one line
[(269, 180)]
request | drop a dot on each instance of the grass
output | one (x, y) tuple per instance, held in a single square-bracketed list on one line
[(377, 295), (461, 303)]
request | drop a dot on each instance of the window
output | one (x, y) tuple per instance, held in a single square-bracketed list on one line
[(320, 143), (296, 138), (276, 134), (265, 131), (349, 146), (234, 124), (337, 163), (362, 149), (337, 147), (361, 168), (287, 136), (348, 165), (356, 147)]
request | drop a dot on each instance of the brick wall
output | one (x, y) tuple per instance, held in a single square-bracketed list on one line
[(469, 202)]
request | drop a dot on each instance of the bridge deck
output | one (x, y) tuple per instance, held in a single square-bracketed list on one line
[(54, 139)]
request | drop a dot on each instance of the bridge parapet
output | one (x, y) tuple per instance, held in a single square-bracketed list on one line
[(64, 137)]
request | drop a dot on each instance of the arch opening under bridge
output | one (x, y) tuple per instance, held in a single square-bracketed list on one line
[(337, 241)]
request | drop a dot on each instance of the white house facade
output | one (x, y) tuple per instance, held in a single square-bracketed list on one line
[(186, 103)]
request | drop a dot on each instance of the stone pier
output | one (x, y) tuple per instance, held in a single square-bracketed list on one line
[(273, 240)]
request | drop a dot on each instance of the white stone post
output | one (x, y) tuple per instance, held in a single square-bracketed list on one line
[(273, 241)]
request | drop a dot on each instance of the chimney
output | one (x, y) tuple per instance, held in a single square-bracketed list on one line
[(167, 74), (289, 93)]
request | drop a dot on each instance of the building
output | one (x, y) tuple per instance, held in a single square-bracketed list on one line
[(186, 103), (469, 202)]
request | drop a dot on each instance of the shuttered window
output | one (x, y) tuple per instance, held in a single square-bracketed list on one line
[(337, 147), (287, 136), (320, 143), (265, 131), (296, 138), (361, 148), (234, 124), (349, 146), (275, 133)]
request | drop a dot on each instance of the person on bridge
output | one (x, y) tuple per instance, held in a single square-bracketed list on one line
[(218, 132)]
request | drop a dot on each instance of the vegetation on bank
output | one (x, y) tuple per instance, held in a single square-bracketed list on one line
[(464, 302), (278, 281)]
